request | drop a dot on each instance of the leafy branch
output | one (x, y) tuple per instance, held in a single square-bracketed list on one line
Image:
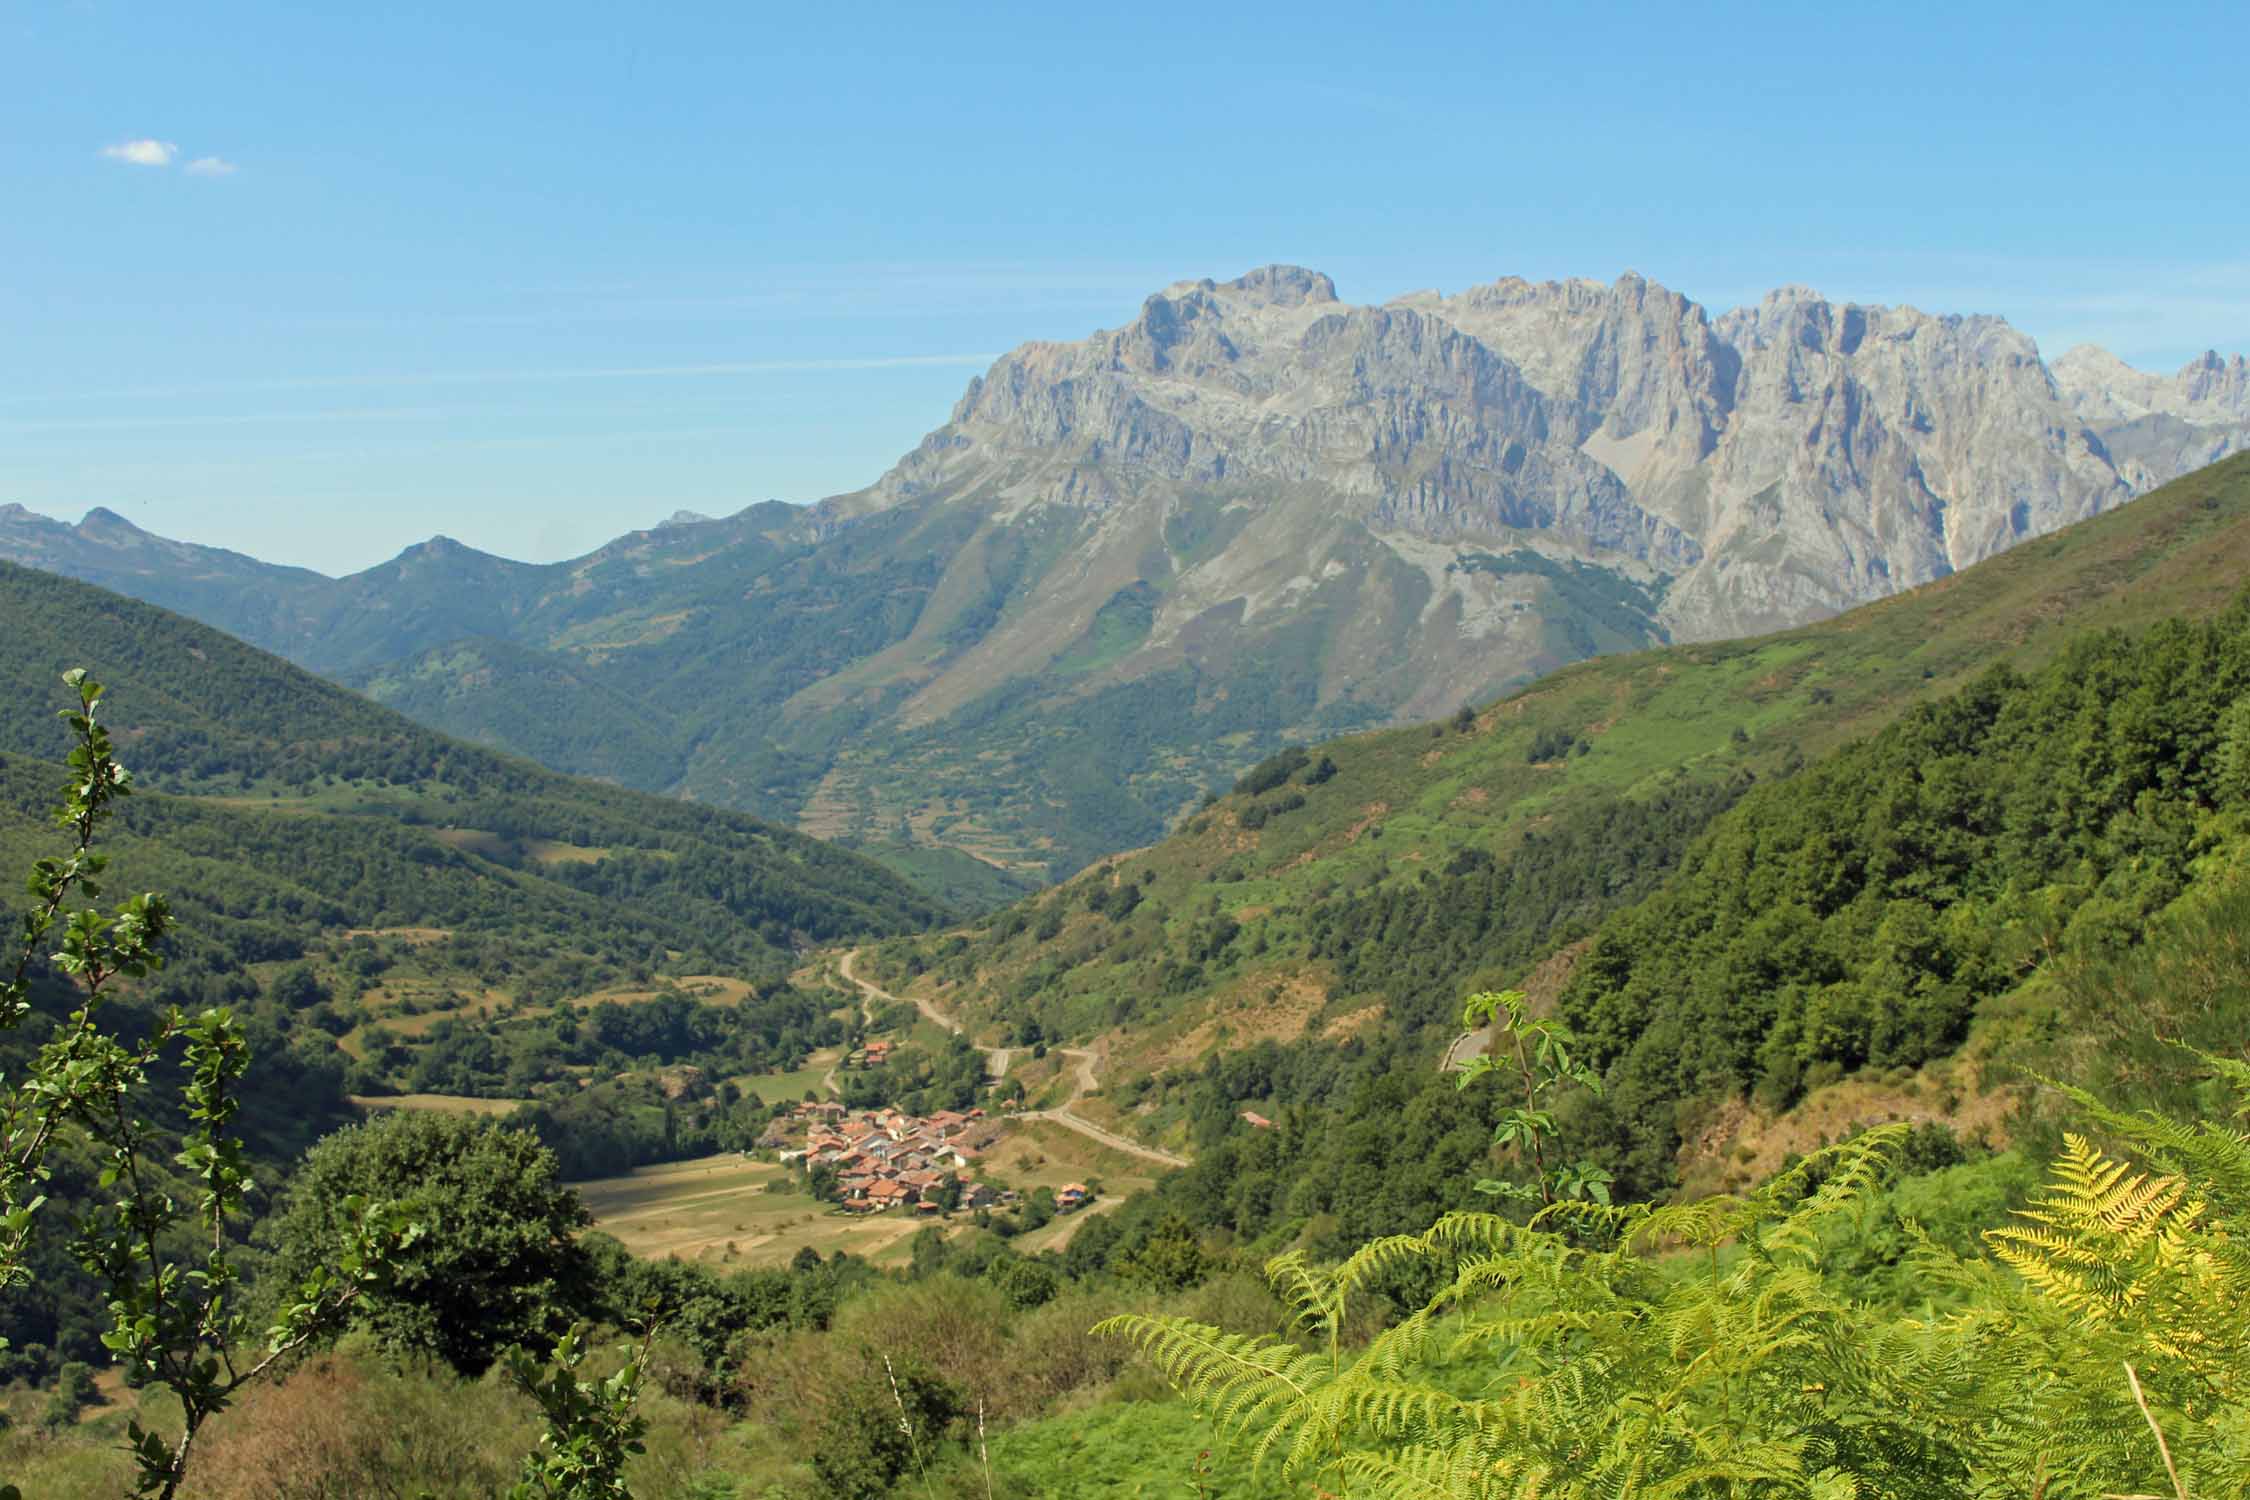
[(1539, 1063)]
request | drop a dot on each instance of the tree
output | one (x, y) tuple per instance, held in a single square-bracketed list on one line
[(496, 1266), (1168, 1258), (591, 1427), (176, 1321), (1538, 1062), (887, 1426), (74, 1392)]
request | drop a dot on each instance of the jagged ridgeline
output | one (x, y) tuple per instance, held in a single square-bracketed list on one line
[(1302, 945), (1129, 566), (292, 807)]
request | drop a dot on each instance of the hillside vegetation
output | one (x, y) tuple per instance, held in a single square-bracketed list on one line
[(1128, 566), (1392, 870), (234, 727), (1300, 949), (1922, 888), (379, 903)]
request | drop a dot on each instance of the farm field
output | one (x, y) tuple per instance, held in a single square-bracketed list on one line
[(1039, 1153), (719, 1209), (770, 1087)]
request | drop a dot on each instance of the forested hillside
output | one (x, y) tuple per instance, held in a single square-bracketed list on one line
[(219, 720), (1862, 914), (373, 899), (1894, 892), (1251, 513)]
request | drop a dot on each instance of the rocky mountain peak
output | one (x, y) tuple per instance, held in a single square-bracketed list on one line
[(1780, 461), (1280, 286), (2217, 381), (102, 519), (1251, 511)]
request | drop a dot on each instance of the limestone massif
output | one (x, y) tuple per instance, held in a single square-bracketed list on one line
[(1128, 565)]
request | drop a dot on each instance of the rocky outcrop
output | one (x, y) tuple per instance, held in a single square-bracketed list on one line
[(1779, 462), (1776, 463), (2155, 426)]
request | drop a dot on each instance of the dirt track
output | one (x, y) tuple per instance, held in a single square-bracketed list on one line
[(996, 1063)]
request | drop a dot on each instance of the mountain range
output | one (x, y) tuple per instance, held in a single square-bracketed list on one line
[(1128, 566)]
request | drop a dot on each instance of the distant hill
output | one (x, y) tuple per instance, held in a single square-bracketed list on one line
[(269, 762), (1129, 566)]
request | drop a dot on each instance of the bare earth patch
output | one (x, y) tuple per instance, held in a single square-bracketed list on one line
[(416, 936), (1741, 1144), (1259, 1007)]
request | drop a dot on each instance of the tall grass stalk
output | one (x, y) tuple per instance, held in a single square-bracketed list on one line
[(984, 1455), (906, 1425)]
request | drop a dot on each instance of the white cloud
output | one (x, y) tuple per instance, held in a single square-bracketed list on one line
[(212, 166), (142, 153)]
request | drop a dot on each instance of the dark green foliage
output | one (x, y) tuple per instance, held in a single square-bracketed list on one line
[(889, 1427), (1419, 943), (74, 1391), (209, 714), (494, 692), (496, 1265), (1858, 914), (1271, 772), (1550, 744), (1594, 609), (920, 1080)]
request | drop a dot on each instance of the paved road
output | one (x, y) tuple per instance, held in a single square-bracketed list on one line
[(996, 1063)]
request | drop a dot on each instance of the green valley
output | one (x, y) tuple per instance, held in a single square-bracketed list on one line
[(1876, 873)]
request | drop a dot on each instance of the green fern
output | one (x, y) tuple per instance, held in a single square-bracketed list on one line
[(1705, 1350)]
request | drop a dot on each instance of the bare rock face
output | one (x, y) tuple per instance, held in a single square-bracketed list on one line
[(2156, 427), (1778, 463)]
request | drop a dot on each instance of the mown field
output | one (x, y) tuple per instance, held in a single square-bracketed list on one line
[(731, 1211)]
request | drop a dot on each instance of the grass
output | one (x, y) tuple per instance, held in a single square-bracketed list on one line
[(774, 1087), (721, 1209), (1133, 1450), (731, 1210), (1040, 1153)]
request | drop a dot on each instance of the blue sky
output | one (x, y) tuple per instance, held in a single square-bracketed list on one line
[(531, 276)]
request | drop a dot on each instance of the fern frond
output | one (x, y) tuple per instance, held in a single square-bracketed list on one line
[(1377, 1256), (1241, 1379)]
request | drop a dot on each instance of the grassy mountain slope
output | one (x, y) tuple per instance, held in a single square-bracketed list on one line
[(210, 718), (1373, 880)]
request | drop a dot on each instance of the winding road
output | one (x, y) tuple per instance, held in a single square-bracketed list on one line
[(996, 1063)]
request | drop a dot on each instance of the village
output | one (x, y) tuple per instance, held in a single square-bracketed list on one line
[(884, 1159)]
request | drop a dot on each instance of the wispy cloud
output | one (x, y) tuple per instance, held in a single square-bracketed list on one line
[(238, 419), (212, 166), (515, 377), (143, 153)]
